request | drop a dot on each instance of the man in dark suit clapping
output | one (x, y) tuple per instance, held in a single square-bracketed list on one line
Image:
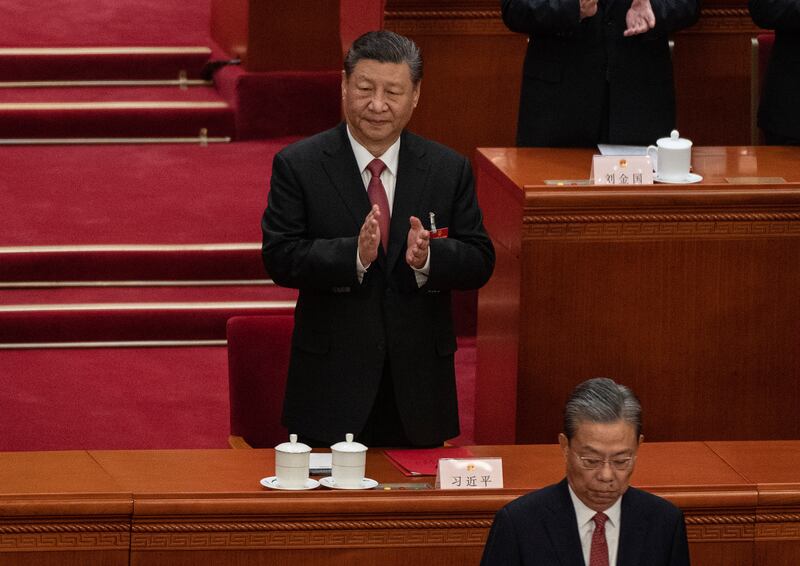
[(348, 223)]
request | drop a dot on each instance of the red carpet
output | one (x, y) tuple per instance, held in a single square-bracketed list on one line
[(104, 22), (114, 398), (102, 63), (135, 398), (134, 195)]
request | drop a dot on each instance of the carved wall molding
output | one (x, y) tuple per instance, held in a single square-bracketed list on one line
[(120, 526), (240, 526), (456, 24), (782, 526), (720, 527), (310, 539), (722, 21), (724, 12), (742, 519), (442, 14), (64, 540), (655, 225)]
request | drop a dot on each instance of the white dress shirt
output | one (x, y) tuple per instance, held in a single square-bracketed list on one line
[(390, 158), (586, 527)]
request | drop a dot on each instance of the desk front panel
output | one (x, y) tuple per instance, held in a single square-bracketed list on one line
[(686, 293)]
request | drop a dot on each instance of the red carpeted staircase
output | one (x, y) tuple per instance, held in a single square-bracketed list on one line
[(120, 262)]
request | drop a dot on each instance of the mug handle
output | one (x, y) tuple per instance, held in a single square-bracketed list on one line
[(653, 157)]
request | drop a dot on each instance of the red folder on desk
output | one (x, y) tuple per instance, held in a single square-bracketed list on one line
[(423, 462)]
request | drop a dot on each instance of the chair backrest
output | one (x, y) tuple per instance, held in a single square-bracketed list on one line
[(760, 52), (258, 363)]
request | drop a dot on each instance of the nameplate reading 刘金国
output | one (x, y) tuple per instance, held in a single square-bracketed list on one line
[(622, 170), (469, 473)]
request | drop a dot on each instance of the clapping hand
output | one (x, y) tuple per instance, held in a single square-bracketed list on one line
[(640, 18)]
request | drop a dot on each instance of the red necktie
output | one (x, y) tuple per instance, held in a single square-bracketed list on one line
[(377, 195), (598, 556)]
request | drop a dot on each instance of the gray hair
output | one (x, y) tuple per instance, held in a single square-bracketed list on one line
[(601, 400), (385, 47)]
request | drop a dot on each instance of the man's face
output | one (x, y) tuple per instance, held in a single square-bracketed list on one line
[(615, 442), (379, 99)]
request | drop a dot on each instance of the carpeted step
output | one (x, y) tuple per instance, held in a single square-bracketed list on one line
[(131, 314), (134, 212), (131, 262), (23, 64), (113, 112), (138, 398), (114, 398)]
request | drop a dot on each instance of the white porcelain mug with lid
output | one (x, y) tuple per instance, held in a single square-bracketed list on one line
[(291, 463), (348, 462), (673, 158)]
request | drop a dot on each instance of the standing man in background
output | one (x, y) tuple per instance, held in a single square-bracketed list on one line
[(597, 71), (592, 517), (778, 112), (349, 223)]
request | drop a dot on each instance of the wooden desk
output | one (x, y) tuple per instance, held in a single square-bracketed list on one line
[(686, 293), (206, 506), (774, 468)]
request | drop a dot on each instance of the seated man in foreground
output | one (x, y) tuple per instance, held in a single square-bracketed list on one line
[(592, 517)]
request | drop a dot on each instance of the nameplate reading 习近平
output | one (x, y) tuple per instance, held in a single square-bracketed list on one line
[(470, 473)]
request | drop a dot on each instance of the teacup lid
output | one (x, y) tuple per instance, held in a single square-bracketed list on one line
[(293, 447), (674, 141), (349, 445)]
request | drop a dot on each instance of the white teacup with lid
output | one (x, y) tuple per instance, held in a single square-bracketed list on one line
[(348, 463), (673, 158), (291, 463)]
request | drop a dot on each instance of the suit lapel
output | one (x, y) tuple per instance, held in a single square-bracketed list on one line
[(633, 528), (412, 173), (340, 165), (563, 528)]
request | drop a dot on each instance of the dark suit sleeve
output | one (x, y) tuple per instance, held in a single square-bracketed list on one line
[(465, 259), (541, 17), (680, 544), (776, 14), (292, 255), (502, 547)]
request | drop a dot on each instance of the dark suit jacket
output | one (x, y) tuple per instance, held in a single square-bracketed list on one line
[(346, 331), (778, 111), (540, 529), (570, 63)]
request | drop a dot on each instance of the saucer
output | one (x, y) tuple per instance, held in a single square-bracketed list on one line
[(692, 178), (272, 483), (366, 483)]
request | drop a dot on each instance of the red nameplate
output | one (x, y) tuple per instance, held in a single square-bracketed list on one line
[(439, 233)]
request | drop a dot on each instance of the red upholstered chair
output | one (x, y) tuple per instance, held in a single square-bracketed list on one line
[(258, 362), (760, 52)]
